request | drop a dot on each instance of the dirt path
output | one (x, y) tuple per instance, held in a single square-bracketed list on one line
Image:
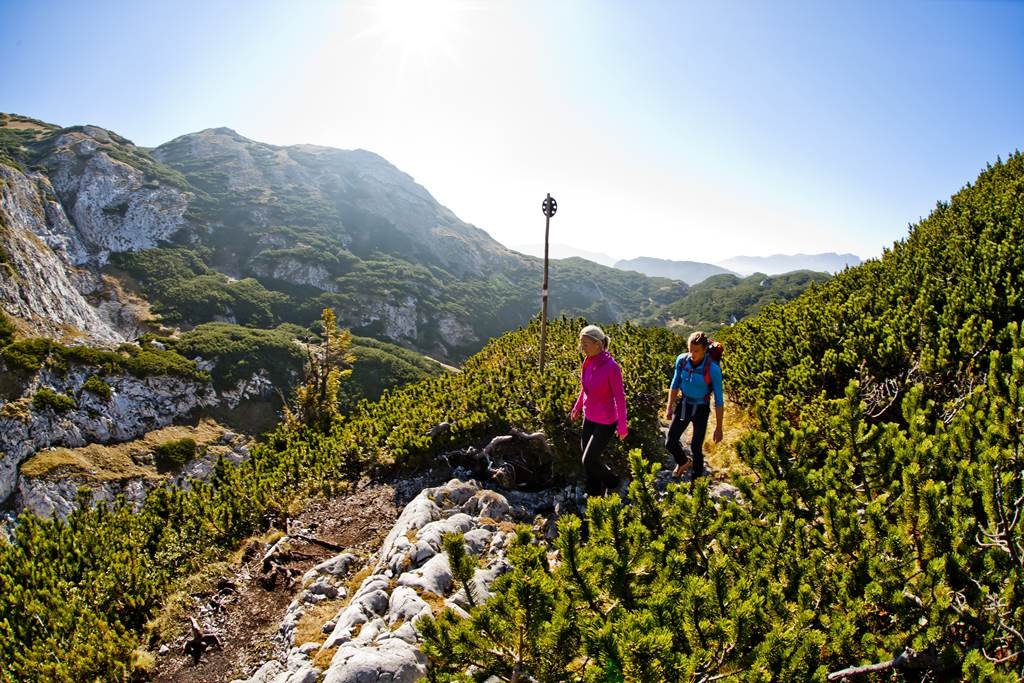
[(251, 613)]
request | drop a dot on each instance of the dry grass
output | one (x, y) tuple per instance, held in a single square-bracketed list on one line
[(19, 409), (143, 661), (322, 659), (23, 124), (114, 462), (309, 628), (356, 580), (172, 619), (435, 601), (99, 463), (722, 457), (267, 539)]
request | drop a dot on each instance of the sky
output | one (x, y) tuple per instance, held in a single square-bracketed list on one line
[(679, 130)]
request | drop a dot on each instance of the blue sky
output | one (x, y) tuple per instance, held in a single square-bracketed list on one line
[(680, 130)]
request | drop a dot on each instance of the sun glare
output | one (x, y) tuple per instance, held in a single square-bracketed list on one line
[(419, 30)]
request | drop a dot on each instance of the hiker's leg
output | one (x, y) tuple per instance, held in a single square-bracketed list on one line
[(675, 431), (700, 428), (593, 466)]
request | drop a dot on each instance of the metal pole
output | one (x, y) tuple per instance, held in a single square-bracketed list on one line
[(549, 206)]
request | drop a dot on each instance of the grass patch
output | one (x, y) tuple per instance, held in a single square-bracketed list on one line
[(98, 462), (114, 462), (435, 601), (143, 661), (309, 628), (322, 659), (722, 457)]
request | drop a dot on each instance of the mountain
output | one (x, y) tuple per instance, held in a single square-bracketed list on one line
[(726, 299), (828, 262), (104, 240), (690, 272), (563, 251)]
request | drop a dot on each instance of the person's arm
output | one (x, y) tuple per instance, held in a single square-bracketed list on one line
[(578, 406), (674, 388), (673, 395), (619, 398)]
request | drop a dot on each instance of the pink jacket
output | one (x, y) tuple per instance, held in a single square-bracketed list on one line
[(602, 397)]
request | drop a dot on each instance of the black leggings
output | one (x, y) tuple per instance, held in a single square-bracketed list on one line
[(593, 440), (685, 414)]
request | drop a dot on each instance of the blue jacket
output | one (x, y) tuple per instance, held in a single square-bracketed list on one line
[(690, 379)]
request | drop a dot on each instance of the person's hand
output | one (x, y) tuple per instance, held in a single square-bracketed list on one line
[(622, 435), (574, 415), (668, 413), (718, 434)]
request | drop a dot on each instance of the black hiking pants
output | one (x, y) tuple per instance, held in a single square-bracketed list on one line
[(593, 440), (685, 413)]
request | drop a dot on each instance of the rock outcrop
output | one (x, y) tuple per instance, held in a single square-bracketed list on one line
[(136, 405), (40, 252), (60, 222), (373, 636), (55, 493), (114, 206)]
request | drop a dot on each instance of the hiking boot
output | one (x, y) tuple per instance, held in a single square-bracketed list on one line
[(680, 470)]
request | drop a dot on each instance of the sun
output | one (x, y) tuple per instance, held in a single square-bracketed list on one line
[(420, 30)]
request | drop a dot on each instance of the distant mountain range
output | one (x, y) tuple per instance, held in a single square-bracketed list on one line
[(829, 262), (693, 272), (690, 272)]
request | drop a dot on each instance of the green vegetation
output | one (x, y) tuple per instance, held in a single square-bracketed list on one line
[(316, 401), (6, 330), (18, 135), (725, 299), (171, 456), (239, 352), (379, 366), (184, 288), (46, 397), (882, 516), (26, 142), (29, 355), (95, 579), (97, 386)]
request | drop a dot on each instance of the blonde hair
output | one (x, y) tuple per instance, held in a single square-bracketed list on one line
[(595, 333)]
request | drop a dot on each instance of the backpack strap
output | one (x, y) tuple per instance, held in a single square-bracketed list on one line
[(707, 376)]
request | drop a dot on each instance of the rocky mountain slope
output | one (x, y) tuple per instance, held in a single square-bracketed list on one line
[(267, 234), (212, 226)]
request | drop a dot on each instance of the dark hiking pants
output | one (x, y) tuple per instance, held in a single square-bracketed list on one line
[(686, 412), (593, 440)]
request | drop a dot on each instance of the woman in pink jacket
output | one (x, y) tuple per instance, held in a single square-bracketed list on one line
[(602, 401)]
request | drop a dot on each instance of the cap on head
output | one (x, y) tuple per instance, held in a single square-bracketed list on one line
[(595, 333)]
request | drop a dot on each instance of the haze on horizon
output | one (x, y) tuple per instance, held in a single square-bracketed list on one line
[(674, 130)]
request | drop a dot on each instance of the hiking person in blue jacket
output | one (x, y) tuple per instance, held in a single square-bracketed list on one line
[(696, 378)]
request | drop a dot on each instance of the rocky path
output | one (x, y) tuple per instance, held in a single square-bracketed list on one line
[(350, 616), (250, 619)]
